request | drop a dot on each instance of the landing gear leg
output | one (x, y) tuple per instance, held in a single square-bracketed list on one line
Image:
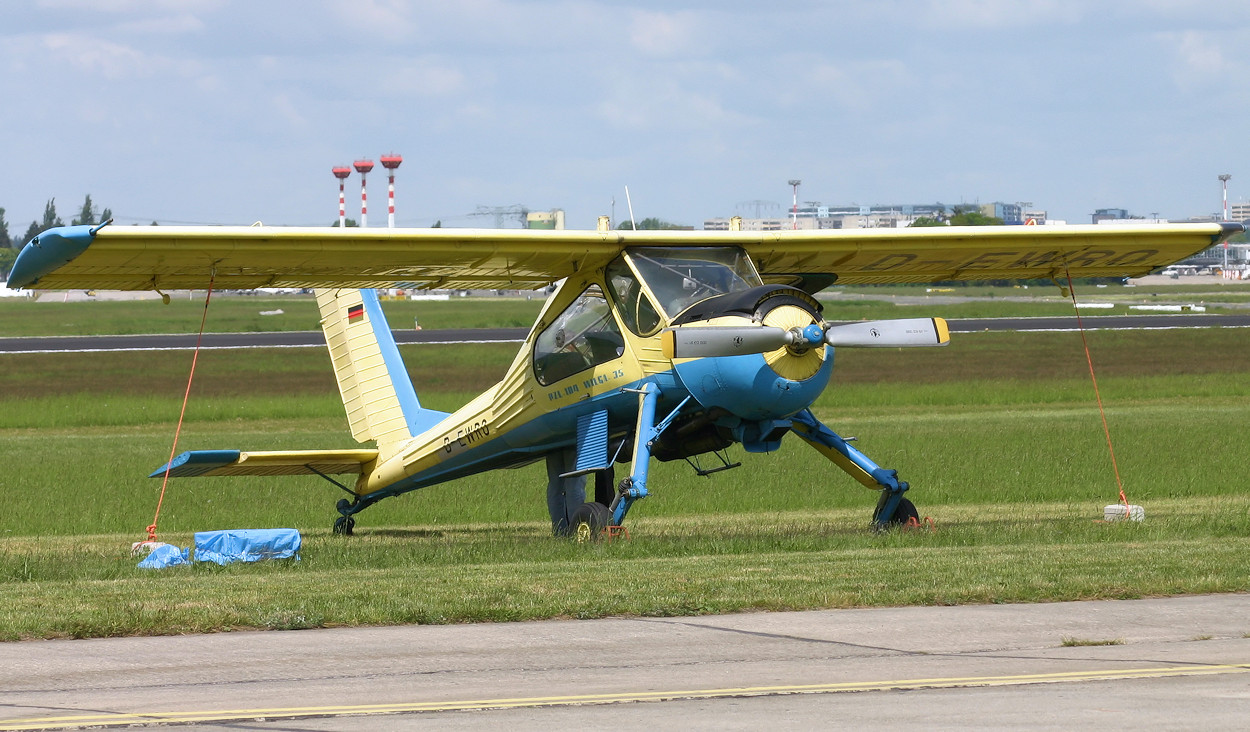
[(892, 507), (634, 487)]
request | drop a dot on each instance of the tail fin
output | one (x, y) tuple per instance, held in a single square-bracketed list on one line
[(377, 392)]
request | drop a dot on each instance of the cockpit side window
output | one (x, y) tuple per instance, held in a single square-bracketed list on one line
[(634, 306), (584, 335)]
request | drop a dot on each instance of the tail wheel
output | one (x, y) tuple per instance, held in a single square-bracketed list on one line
[(588, 522), (343, 525)]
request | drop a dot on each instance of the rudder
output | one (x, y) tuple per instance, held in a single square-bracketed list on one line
[(377, 393)]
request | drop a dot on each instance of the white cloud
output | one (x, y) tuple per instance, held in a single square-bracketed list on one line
[(858, 86), (1200, 54), (98, 56), (658, 103), (664, 34), (132, 6), (163, 25), (287, 112), (423, 77), (979, 14), (390, 19)]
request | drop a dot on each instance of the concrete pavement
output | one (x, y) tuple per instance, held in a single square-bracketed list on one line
[(1177, 662)]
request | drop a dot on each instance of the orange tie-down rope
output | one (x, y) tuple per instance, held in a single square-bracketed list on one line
[(1080, 325), (186, 395)]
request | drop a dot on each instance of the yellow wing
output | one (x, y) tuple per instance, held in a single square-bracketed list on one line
[(933, 254), (145, 258)]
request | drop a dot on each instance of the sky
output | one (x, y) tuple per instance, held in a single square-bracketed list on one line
[(231, 112)]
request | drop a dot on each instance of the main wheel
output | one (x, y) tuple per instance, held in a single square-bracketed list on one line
[(343, 525), (905, 512), (589, 521)]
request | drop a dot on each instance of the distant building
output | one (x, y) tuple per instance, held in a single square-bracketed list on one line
[(1109, 214), (549, 220), (814, 215)]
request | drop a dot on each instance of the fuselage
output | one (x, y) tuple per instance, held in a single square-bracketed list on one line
[(597, 341)]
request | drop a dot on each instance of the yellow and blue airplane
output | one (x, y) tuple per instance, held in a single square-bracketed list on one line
[(653, 344)]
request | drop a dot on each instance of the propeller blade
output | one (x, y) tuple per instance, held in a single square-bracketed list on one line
[(904, 332), (703, 341)]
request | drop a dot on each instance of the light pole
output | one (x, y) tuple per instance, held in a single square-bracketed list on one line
[(1224, 184), (794, 211)]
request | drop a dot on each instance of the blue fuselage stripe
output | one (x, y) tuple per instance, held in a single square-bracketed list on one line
[(418, 419), (533, 439)]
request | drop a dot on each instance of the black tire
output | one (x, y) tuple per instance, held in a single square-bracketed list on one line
[(588, 522), (343, 525), (905, 512)]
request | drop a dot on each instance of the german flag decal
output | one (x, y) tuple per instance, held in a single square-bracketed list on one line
[(355, 313)]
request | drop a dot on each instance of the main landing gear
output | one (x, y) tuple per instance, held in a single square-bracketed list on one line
[(591, 519), (892, 508)]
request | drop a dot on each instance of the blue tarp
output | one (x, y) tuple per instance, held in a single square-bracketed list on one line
[(165, 555), (224, 547), (246, 545)]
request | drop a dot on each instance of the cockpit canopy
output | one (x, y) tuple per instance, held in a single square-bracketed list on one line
[(652, 284), (650, 287)]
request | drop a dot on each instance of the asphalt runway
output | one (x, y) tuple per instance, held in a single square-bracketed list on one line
[(1175, 663), (313, 338)]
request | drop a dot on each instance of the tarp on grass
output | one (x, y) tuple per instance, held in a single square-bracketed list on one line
[(246, 545), (165, 555), (225, 547)]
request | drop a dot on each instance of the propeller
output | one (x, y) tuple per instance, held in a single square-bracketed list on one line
[(703, 341)]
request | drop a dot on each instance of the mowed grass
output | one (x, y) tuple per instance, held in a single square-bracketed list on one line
[(998, 435)]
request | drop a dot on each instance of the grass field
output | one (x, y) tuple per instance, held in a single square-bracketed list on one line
[(998, 435)]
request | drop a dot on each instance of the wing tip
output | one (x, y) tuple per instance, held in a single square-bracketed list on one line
[(196, 462), (48, 251)]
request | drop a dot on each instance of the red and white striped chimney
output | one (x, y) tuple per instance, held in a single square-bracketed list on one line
[(391, 162), (341, 172), (363, 167)]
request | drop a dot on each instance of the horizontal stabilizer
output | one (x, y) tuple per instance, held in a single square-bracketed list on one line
[(284, 462)]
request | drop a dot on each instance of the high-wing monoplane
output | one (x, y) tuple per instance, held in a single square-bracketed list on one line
[(654, 344)]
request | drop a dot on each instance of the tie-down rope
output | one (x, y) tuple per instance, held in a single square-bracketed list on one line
[(187, 395), (1080, 325)]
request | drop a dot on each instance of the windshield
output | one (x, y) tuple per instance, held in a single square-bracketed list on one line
[(682, 276)]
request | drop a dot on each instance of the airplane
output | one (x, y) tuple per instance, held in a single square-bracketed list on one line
[(653, 344)]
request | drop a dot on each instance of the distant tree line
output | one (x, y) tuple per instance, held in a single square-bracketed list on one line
[(651, 223), (86, 215), (961, 216), (9, 247)]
